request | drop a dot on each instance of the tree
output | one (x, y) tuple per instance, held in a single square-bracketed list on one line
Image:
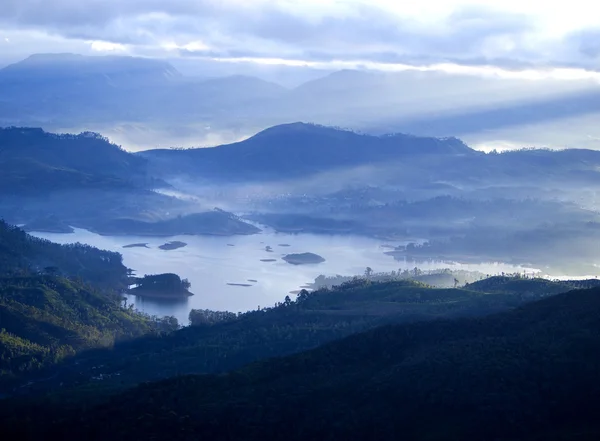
[(51, 270), (302, 295), (368, 272)]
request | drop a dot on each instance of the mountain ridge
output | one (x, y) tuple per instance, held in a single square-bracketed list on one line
[(296, 149)]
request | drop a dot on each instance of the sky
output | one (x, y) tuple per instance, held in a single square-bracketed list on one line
[(511, 35)]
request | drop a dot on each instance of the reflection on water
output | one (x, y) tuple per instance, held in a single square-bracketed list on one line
[(216, 266)]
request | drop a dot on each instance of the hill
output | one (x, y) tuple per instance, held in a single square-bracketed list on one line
[(56, 300), (37, 162), (297, 149), (219, 341), (52, 181), (21, 253), (46, 318), (528, 374)]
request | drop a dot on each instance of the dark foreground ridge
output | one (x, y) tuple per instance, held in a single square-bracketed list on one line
[(531, 373)]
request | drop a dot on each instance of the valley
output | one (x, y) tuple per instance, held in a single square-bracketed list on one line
[(343, 256)]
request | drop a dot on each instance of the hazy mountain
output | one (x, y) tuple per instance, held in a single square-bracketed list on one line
[(68, 89), (293, 150), (36, 162), (148, 103), (112, 70)]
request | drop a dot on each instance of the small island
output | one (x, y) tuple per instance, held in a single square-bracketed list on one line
[(303, 259), (252, 280), (268, 249), (161, 286), (284, 245), (172, 245), (268, 260), (245, 285), (136, 245)]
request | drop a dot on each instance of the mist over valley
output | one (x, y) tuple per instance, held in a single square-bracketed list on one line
[(299, 220)]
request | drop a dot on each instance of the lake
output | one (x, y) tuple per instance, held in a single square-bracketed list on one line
[(210, 263)]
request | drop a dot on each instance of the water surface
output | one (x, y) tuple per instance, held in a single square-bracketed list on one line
[(214, 265)]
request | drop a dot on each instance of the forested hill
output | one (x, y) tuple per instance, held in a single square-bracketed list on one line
[(218, 342), (297, 149), (529, 374), (56, 300), (36, 162), (21, 253)]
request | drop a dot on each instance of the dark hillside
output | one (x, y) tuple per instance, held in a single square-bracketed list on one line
[(529, 374), (37, 162)]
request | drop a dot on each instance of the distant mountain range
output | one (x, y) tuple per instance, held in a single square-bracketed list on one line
[(72, 89), (298, 151), (127, 97)]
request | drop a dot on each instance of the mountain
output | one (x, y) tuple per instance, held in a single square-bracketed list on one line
[(68, 90), (297, 149), (109, 70), (529, 374), (149, 103), (36, 162)]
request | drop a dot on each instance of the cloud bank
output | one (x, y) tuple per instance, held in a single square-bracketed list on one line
[(509, 34)]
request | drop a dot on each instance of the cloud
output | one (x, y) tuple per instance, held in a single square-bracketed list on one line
[(105, 46), (511, 33)]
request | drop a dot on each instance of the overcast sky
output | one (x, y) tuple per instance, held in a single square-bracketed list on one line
[(508, 34)]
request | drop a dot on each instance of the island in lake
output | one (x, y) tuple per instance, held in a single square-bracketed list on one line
[(172, 245), (303, 258), (136, 245), (239, 284), (162, 286), (252, 280), (268, 249), (268, 260)]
